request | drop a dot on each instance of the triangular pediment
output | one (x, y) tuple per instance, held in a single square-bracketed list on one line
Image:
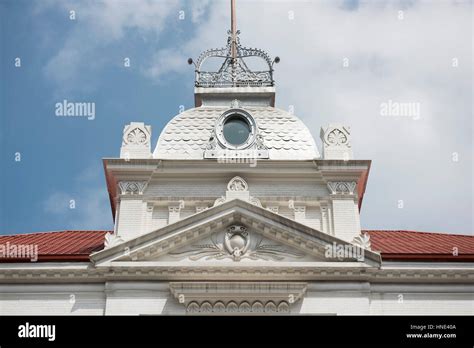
[(235, 232)]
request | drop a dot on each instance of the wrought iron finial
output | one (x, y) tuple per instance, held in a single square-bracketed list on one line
[(234, 71)]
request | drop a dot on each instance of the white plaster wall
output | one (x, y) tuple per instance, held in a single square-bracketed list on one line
[(185, 188), (346, 219), (52, 299), (131, 218), (140, 298), (218, 187), (384, 299), (340, 303), (313, 218), (154, 298), (132, 212), (187, 211), (159, 218), (423, 299), (137, 304), (336, 298), (286, 212), (422, 303), (285, 188)]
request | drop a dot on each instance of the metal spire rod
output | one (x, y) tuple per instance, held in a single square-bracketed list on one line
[(233, 27)]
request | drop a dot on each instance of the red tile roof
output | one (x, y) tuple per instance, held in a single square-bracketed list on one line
[(58, 246), (393, 245), (412, 245)]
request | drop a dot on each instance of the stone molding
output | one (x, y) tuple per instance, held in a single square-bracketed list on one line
[(238, 297), (36, 273)]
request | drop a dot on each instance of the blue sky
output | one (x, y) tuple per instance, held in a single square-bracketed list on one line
[(61, 157), (81, 60)]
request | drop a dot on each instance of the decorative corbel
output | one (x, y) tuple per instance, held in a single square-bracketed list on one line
[(174, 211), (132, 187), (342, 187), (299, 211)]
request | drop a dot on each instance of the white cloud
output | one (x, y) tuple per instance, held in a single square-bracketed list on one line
[(408, 60), (84, 206), (199, 9), (57, 203), (97, 25), (164, 62)]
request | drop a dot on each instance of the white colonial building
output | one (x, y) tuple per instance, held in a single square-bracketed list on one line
[(236, 210)]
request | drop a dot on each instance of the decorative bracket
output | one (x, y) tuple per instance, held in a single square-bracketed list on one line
[(174, 211), (299, 210), (273, 208), (132, 187), (200, 208), (342, 187)]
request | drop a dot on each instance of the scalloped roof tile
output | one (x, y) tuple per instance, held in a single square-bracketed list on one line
[(187, 134)]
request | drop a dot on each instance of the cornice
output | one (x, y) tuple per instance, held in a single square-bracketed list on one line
[(294, 271)]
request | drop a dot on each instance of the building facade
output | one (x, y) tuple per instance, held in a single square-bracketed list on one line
[(236, 211)]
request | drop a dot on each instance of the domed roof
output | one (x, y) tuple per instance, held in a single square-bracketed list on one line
[(188, 134)]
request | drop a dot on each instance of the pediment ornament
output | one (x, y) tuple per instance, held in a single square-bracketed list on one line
[(363, 240), (237, 184), (237, 188), (111, 239), (237, 243)]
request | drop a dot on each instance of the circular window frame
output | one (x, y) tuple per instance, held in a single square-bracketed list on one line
[(247, 118)]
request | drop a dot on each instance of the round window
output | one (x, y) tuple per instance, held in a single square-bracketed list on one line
[(236, 129)]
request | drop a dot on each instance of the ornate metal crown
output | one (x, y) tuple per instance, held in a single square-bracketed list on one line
[(234, 72)]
